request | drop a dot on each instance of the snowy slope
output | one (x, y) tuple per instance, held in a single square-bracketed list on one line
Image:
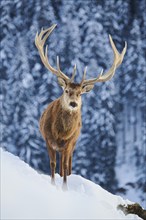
[(26, 194)]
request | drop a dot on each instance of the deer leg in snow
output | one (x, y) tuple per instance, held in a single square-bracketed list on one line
[(61, 164), (52, 155), (70, 165), (65, 169)]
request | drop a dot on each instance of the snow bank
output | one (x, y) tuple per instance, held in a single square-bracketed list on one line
[(26, 194)]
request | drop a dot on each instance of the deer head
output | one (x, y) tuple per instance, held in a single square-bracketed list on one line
[(71, 98)]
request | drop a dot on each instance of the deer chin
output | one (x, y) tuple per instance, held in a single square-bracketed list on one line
[(70, 108), (73, 109)]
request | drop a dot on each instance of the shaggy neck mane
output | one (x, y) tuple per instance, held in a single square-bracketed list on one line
[(66, 113)]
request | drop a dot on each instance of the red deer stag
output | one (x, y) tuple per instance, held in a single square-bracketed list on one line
[(60, 123)]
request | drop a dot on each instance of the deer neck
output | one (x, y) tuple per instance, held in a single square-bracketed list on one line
[(68, 117)]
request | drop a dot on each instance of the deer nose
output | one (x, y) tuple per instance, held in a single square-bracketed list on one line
[(73, 104)]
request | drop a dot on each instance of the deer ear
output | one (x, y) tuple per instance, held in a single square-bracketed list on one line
[(62, 82), (87, 88)]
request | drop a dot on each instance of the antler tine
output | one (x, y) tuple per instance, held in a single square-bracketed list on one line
[(84, 76), (50, 29), (60, 73), (74, 73), (94, 80), (123, 52), (58, 65), (118, 58), (46, 36), (117, 55), (40, 40)]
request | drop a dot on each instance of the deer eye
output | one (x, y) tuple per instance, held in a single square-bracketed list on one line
[(66, 91)]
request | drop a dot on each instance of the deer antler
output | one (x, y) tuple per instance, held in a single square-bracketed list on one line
[(40, 40), (118, 58)]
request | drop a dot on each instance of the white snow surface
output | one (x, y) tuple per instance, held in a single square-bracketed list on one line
[(27, 194)]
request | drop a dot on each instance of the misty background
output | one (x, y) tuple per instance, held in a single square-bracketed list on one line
[(111, 149)]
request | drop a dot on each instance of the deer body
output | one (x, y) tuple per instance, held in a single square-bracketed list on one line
[(60, 124), (60, 127)]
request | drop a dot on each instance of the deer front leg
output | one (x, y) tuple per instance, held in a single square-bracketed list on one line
[(52, 155), (65, 169), (61, 164), (70, 160), (70, 165)]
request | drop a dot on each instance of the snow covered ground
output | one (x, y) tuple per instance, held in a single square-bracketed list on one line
[(26, 194)]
